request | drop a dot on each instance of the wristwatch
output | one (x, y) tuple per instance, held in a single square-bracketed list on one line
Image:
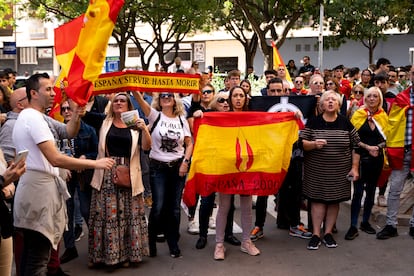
[(186, 161)]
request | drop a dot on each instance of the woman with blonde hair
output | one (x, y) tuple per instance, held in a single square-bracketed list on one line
[(357, 93), (371, 122), (117, 226), (170, 155)]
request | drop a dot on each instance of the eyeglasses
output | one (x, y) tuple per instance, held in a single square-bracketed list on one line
[(317, 83), (222, 100), (330, 83), (366, 75), (276, 90), (358, 92), (166, 95), (207, 92), (298, 81), (65, 108)]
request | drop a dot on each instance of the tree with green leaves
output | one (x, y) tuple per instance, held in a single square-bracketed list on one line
[(170, 20), (366, 21), (275, 18), (7, 19), (238, 26)]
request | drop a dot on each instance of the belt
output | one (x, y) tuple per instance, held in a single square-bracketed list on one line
[(169, 164)]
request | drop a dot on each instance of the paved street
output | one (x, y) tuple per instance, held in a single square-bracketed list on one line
[(280, 255)]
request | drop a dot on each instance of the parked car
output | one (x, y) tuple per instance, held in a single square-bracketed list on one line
[(20, 81)]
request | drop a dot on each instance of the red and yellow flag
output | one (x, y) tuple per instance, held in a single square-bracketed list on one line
[(278, 61), (241, 153), (81, 47), (397, 119)]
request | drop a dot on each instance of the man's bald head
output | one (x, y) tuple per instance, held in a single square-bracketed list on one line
[(18, 99)]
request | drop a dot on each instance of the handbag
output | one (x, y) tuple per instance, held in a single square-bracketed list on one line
[(120, 175)]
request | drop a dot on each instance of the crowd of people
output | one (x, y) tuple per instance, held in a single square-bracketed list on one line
[(94, 169)]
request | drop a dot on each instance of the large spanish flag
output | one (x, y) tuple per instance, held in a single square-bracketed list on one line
[(278, 61), (241, 153), (81, 47)]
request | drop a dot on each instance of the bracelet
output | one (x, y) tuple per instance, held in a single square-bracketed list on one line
[(186, 161)]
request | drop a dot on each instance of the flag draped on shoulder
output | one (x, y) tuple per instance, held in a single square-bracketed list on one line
[(81, 47), (278, 61), (241, 153), (397, 122)]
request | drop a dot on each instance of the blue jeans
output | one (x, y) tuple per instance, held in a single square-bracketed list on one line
[(36, 254), (69, 235), (206, 209), (370, 168), (166, 187), (396, 183)]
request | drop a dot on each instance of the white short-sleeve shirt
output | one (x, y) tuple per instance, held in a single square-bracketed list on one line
[(30, 130), (167, 136)]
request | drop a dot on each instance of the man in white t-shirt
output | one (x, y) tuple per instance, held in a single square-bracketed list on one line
[(40, 199)]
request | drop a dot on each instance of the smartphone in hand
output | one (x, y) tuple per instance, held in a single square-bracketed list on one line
[(21, 155)]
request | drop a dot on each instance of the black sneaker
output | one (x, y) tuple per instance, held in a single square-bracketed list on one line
[(367, 228), (201, 243), (411, 232), (69, 255), (329, 241), (78, 232), (232, 240), (175, 253), (314, 243), (388, 232), (160, 237), (352, 233)]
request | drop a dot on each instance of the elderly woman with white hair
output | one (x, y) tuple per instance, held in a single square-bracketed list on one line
[(330, 160), (371, 122)]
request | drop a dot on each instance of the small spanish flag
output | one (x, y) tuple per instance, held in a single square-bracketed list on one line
[(278, 61), (241, 153)]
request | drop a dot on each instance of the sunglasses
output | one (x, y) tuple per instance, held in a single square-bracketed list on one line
[(330, 83), (222, 100), (65, 108), (166, 95), (299, 81), (207, 92), (276, 90), (358, 92), (401, 76)]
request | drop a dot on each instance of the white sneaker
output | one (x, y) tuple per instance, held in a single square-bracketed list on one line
[(193, 228), (212, 223)]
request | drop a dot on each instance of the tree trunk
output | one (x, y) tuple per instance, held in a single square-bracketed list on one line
[(371, 54), (250, 49), (122, 54)]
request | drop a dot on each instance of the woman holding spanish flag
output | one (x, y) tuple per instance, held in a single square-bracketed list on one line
[(238, 101), (371, 122)]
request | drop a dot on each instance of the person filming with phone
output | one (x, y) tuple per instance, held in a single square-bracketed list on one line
[(40, 199)]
